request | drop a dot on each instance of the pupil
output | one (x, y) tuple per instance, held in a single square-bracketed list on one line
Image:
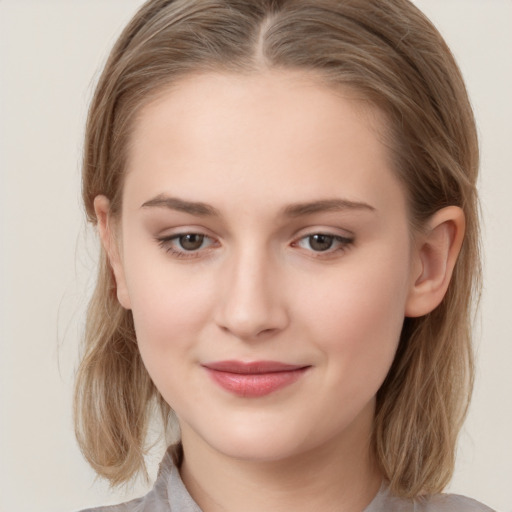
[(191, 242), (320, 242)]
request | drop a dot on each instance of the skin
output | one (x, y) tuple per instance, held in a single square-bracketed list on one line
[(253, 148)]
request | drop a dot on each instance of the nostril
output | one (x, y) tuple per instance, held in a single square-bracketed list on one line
[(249, 330), (251, 305)]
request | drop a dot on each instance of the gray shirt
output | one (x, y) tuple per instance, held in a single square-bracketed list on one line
[(169, 494)]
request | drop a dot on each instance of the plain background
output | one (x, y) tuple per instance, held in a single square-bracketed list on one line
[(50, 55)]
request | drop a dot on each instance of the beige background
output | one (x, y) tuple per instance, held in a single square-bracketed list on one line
[(50, 53)]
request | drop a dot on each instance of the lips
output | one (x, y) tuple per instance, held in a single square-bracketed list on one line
[(254, 379)]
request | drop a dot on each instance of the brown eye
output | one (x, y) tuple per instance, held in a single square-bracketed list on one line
[(324, 243), (320, 242), (191, 241), (188, 245)]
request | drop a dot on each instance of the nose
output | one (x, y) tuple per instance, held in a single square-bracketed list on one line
[(252, 303)]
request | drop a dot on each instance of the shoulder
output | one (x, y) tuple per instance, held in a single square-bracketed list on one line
[(137, 505), (452, 503), (436, 503), (168, 483), (152, 502), (385, 502)]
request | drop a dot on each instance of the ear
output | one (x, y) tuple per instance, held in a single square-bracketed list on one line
[(436, 251), (110, 244)]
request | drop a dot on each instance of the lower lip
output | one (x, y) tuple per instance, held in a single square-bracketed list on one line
[(254, 385)]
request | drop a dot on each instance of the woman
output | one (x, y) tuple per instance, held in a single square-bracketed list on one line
[(285, 193)]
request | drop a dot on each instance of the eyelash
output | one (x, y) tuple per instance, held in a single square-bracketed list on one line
[(343, 243), (167, 244)]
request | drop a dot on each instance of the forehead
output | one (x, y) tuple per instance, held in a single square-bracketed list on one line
[(299, 101), (283, 135)]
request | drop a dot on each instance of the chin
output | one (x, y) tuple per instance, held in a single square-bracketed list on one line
[(262, 443), (261, 450)]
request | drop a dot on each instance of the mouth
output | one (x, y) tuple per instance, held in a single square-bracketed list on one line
[(254, 379)]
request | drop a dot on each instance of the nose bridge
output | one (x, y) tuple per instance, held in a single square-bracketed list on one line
[(252, 301)]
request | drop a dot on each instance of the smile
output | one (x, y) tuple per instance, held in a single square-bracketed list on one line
[(255, 379)]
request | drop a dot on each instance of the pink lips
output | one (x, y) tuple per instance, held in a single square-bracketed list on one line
[(255, 379)]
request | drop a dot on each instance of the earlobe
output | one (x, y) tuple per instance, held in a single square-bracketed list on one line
[(110, 245), (435, 254)]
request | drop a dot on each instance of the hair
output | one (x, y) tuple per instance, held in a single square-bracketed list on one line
[(392, 55)]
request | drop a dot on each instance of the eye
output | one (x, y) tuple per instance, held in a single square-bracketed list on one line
[(324, 242), (186, 245), (190, 241)]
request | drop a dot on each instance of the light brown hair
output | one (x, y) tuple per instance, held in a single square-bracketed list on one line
[(390, 53)]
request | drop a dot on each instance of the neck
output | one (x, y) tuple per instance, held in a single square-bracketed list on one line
[(340, 475)]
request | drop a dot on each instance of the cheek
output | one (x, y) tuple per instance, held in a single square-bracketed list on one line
[(168, 316), (169, 308), (356, 318)]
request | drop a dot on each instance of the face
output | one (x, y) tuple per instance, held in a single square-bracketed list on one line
[(266, 256)]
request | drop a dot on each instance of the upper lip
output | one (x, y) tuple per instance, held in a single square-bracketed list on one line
[(252, 367)]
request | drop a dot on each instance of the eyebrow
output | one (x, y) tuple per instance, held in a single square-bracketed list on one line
[(293, 210), (174, 203), (325, 205)]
